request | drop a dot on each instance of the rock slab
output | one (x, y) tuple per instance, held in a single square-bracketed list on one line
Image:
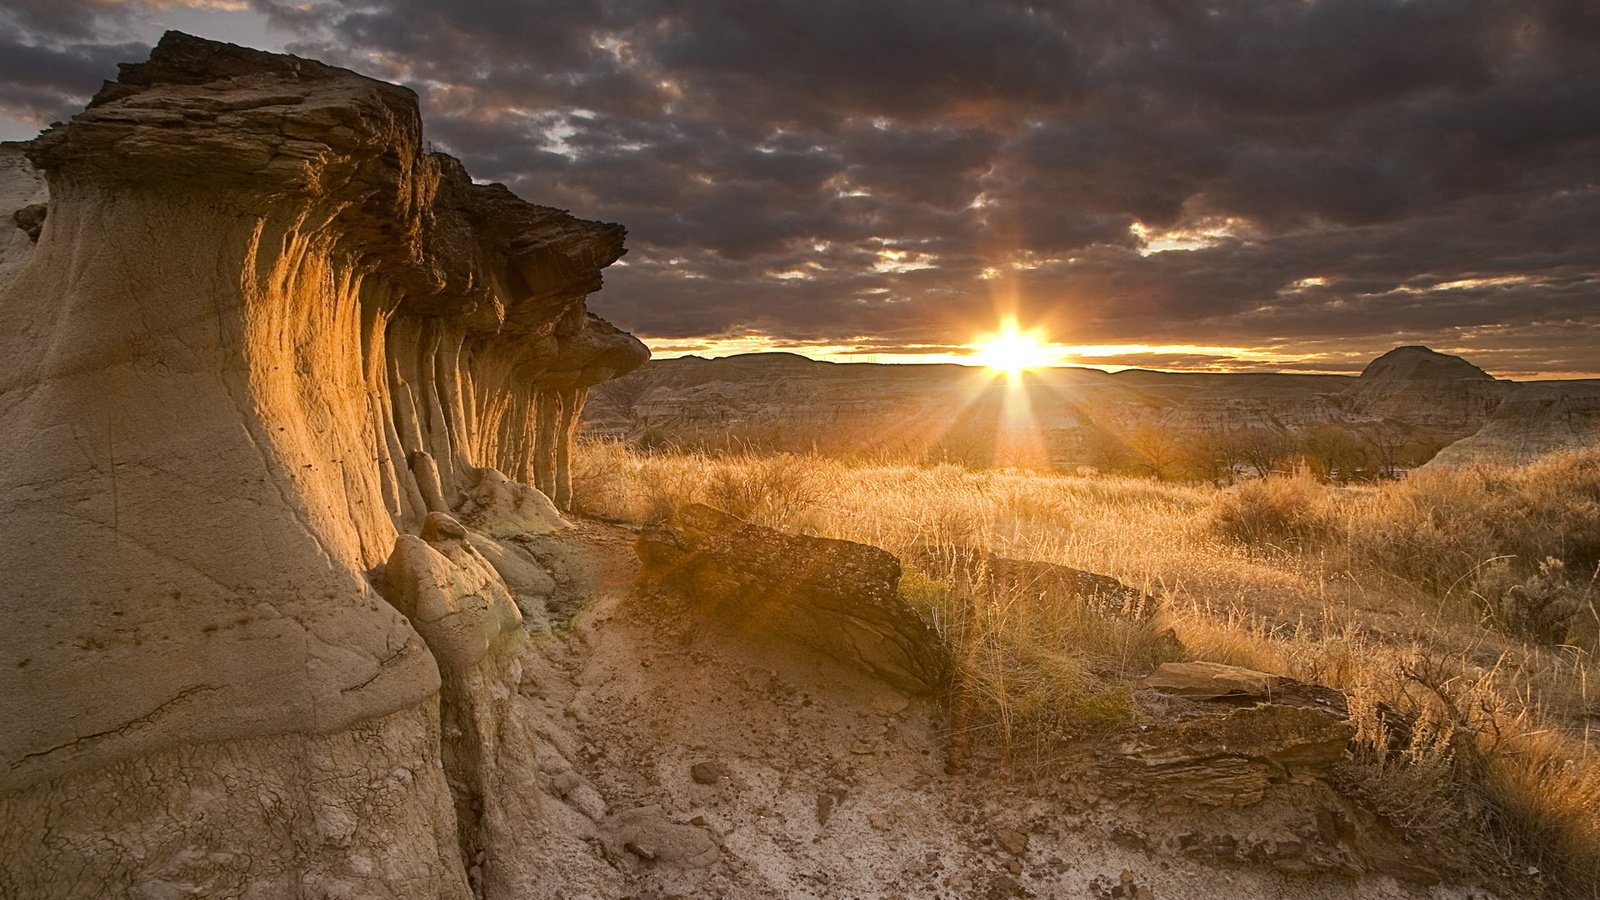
[(837, 598)]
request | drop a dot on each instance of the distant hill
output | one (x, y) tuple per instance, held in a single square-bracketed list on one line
[(1407, 405)]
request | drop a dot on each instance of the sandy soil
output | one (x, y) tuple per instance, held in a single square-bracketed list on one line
[(717, 768)]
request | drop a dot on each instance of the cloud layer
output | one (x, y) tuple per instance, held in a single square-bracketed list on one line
[(1313, 181)]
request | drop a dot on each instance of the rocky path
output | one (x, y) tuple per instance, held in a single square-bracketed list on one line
[(714, 767)]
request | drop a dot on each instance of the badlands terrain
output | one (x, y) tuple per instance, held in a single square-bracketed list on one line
[(312, 593), (1415, 398)]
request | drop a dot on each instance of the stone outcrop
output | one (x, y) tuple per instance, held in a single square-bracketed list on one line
[(1425, 388), (1240, 732), (837, 598), (1005, 577), (1534, 419), (264, 345)]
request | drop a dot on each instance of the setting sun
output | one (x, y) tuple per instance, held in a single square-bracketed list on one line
[(1012, 350)]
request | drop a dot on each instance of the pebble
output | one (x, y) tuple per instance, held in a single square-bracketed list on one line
[(1014, 842), (705, 773)]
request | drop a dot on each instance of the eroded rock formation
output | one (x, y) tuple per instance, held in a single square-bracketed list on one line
[(1423, 387), (837, 598), (262, 337), (1534, 419)]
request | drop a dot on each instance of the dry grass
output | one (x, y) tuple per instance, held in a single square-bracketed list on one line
[(1398, 594)]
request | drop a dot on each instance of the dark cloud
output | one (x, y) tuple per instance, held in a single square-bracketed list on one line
[(1329, 176), (44, 83)]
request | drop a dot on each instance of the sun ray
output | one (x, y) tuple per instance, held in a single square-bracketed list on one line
[(1012, 350)]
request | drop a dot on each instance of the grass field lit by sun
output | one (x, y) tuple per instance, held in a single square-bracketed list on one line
[(1390, 593)]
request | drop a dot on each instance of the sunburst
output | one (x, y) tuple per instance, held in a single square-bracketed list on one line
[(1012, 350)]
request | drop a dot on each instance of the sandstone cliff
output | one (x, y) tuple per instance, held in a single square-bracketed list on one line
[(261, 336)]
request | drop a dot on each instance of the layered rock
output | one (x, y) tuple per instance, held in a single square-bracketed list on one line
[(1423, 387), (262, 335), (786, 402), (1534, 419), (1242, 732), (833, 597)]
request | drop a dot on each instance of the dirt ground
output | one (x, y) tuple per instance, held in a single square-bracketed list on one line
[(715, 767)]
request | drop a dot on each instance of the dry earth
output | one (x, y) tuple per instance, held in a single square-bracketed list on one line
[(715, 767)]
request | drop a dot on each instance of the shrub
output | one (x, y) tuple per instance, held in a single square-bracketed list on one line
[(1279, 511)]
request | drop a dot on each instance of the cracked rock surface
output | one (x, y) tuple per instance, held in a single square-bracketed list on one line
[(252, 338)]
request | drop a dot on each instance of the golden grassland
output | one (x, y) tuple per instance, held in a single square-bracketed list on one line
[(1459, 603)]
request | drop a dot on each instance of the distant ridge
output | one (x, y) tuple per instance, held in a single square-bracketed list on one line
[(786, 401)]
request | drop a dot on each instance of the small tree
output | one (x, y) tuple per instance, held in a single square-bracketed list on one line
[(1335, 453), (1386, 444), (1156, 450), (1262, 449)]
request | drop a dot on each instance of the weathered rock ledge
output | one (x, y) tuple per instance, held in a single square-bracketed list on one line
[(260, 336), (837, 598)]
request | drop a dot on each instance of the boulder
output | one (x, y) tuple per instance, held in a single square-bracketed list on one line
[(1242, 731), (451, 595), (530, 583), (649, 837), (1231, 758), (499, 507), (837, 598), (1049, 581), (1215, 681), (1210, 681)]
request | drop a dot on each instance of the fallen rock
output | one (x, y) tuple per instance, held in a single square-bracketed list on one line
[(31, 219), (1210, 681), (890, 704), (531, 585), (1230, 759), (837, 598), (450, 593), (500, 507), (1011, 840), (1215, 681), (826, 802), (706, 773), (1004, 886), (1063, 583), (646, 833)]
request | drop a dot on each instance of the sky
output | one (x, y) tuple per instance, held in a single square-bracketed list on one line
[(1292, 185)]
